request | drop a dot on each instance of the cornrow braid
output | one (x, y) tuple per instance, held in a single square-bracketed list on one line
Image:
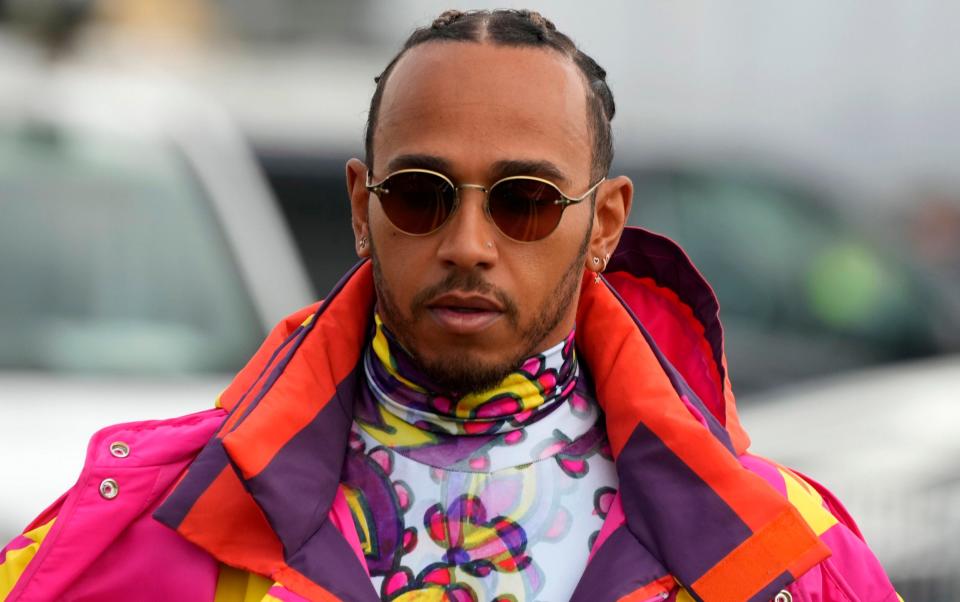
[(511, 27), (446, 18)]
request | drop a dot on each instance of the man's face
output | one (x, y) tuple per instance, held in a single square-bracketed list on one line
[(466, 301)]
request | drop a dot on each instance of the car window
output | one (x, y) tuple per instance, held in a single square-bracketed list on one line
[(112, 261), (779, 258), (312, 195)]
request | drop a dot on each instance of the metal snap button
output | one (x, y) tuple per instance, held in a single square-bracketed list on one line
[(109, 489), (119, 449), (783, 596)]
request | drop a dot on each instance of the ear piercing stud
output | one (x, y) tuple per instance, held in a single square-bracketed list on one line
[(363, 242), (596, 262)]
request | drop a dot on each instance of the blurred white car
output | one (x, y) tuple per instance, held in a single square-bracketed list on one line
[(886, 442), (142, 260)]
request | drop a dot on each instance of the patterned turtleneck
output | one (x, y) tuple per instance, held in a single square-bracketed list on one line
[(492, 496)]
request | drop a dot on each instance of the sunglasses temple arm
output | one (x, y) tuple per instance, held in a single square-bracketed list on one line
[(566, 201)]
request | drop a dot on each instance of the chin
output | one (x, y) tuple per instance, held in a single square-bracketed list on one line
[(465, 368)]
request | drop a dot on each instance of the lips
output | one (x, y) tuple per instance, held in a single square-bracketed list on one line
[(460, 313), (465, 302)]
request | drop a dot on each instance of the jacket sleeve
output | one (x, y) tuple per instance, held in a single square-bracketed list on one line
[(16, 556), (852, 573)]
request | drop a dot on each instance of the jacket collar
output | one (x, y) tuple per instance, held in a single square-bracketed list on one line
[(259, 494)]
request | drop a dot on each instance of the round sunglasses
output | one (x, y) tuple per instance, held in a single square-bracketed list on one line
[(524, 208)]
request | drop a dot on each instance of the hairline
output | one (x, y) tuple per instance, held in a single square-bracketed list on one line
[(590, 96)]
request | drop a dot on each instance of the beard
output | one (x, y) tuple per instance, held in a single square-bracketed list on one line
[(460, 371)]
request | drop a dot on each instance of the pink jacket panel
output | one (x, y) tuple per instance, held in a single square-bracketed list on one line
[(101, 548)]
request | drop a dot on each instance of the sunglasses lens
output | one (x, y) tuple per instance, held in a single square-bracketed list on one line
[(525, 209), (417, 203)]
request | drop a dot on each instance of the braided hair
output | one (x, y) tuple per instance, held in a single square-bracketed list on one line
[(509, 27)]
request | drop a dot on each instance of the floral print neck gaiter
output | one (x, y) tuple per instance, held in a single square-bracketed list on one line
[(492, 496)]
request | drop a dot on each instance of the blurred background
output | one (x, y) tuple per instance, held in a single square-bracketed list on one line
[(172, 183)]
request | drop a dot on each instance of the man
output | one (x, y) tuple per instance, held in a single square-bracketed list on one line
[(474, 413)]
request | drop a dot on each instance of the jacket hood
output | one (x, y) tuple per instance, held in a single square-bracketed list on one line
[(258, 495), (677, 308)]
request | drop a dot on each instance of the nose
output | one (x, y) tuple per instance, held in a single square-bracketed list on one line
[(466, 238)]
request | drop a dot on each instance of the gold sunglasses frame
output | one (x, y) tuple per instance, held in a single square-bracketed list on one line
[(564, 200)]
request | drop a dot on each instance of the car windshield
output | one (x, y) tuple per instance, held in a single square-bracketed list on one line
[(777, 255), (112, 260)]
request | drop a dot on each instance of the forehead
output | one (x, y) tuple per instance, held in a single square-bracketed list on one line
[(474, 104)]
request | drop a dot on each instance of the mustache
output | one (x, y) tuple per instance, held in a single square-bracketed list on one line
[(464, 282)]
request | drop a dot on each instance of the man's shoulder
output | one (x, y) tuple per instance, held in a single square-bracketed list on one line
[(127, 470), (815, 503), (154, 442), (852, 572)]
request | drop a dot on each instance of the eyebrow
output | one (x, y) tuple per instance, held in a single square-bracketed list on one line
[(501, 169), (417, 161), (540, 169)]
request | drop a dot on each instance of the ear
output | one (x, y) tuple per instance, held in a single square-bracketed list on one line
[(359, 203), (611, 209)]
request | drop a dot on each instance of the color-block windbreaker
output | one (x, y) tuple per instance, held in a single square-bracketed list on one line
[(243, 502)]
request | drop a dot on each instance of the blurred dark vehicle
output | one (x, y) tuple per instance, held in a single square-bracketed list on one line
[(312, 194), (142, 261), (885, 441), (804, 291)]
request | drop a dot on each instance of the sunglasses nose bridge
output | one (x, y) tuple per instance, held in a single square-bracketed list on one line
[(483, 190)]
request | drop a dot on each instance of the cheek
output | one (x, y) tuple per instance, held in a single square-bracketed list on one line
[(539, 275), (403, 264), (380, 226), (534, 274)]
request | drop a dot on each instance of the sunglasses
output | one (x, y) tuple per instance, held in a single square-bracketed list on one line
[(524, 208)]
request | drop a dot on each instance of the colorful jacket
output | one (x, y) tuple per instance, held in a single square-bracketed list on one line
[(243, 502)]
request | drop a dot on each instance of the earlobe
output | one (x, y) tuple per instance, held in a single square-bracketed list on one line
[(363, 241), (597, 266)]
